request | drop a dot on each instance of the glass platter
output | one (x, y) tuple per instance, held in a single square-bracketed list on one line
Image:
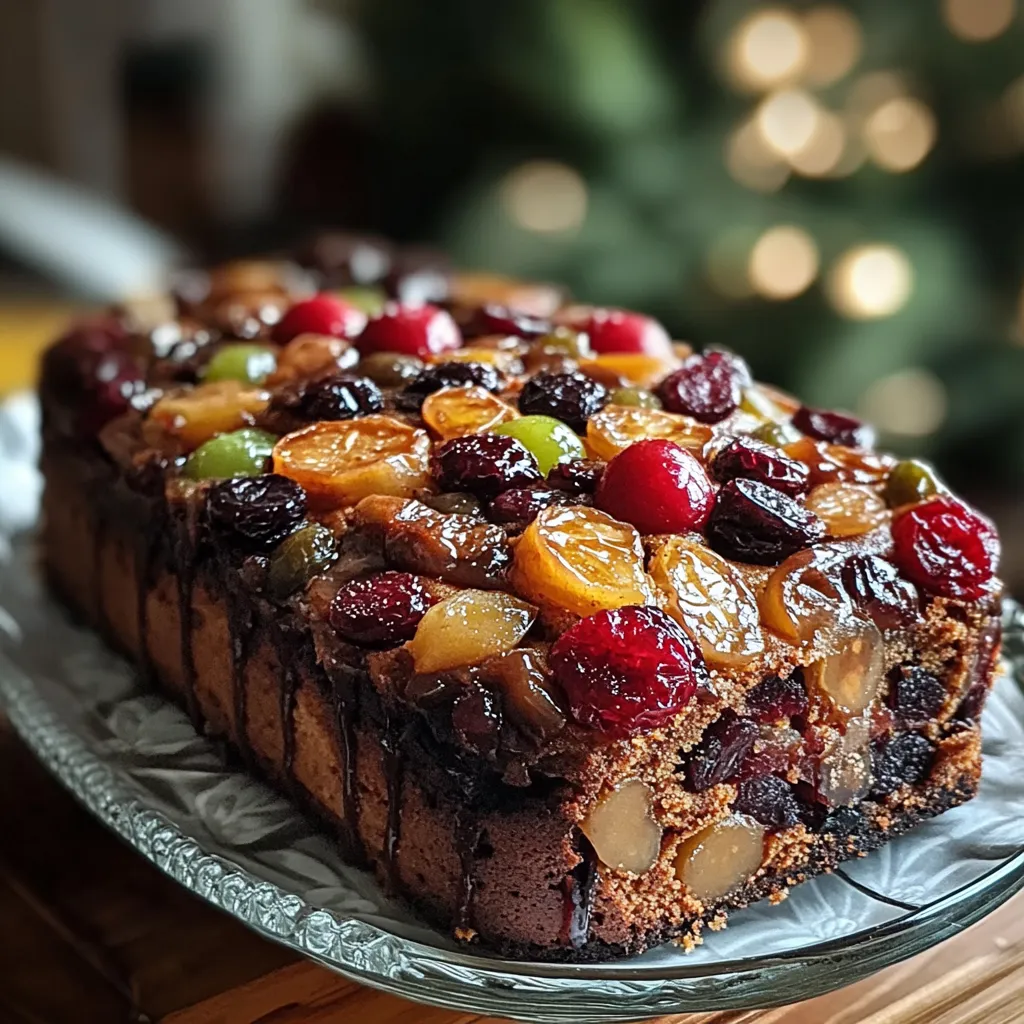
[(135, 762)]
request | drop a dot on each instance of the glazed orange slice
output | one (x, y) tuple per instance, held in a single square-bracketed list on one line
[(616, 427), (580, 560), (195, 416), (801, 600), (455, 412), (847, 510), (631, 368), (340, 463)]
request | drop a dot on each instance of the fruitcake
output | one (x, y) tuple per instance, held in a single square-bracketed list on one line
[(577, 637)]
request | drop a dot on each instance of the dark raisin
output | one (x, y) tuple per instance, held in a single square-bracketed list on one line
[(578, 476), (517, 508), (752, 522), (256, 512), (915, 696), (906, 757), (749, 459), (878, 590), (448, 375), (834, 427), (570, 397), (725, 744), (476, 719), (380, 611), (338, 397), (707, 387), (843, 823), (768, 800), (484, 465), (775, 698), (493, 319)]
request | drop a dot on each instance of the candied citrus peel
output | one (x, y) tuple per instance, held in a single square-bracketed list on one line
[(847, 510), (632, 368), (195, 416), (802, 597), (455, 412), (616, 427)]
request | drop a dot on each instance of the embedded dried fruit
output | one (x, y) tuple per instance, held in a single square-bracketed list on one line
[(451, 374), (707, 387), (195, 416), (616, 427), (310, 355), (721, 857), (749, 459), (834, 427), (802, 597), (249, 364), (380, 611), (622, 829), (777, 699), (915, 696), (258, 512), (626, 670), (335, 397), (476, 720), (634, 396), (847, 510), (457, 411), (467, 628), (580, 560), (852, 675), (844, 774), (768, 800), (906, 758), (717, 758), (342, 462), (570, 397), (879, 592), (752, 522), (484, 465), (520, 678), (658, 487), (710, 599), (946, 548)]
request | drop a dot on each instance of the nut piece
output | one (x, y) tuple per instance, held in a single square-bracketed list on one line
[(468, 627), (622, 829), (580, 560), (847, 510), (341, 462), (851, 676), (195, 416), (800, 597), (616, 427), (721, 857), (710, 599), (455, 412)]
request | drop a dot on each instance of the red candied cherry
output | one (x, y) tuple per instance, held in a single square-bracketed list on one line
[(322, 314), (708, 386), (494, 319), (420, 331), (380, 611), (618, 330), (834, 427), (113, 382), (626, 670), (946, 547), (657, 486)]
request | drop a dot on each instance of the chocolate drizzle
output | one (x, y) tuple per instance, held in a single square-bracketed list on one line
[(145, 560), (184, 571), (578, 889), (289, 691), (467, 837), (394, 776), (345, 712), (240, 632)]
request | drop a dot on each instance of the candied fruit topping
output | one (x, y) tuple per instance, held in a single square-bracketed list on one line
[(334, 397), (458, 411), (752, 522), (717, 758), (519, 507), (720, 858), (580, 560), (616, 427), (829, 463), (449, 374), (778, 698), (915, 695), (257, 512), (802, 597), (250, 364), (476, 720), (321, 314), (768, 800), (549, 440), (109, 389), (658, 487), (312, 355), (576, 476), (520, 678), (626, 670), (622, 829), (570, 397), (195, 416), (484, 465), (380, 611), (630, 372), (852, 675), (879, 592), (946, 547), (390, 369), (468, 628), (909, 482), (634, 396), (409, 330), (847, 510), (240, 453), (834, 427), (710, 599), (618, 330), (708, 386), (339, 463), (906, 758), (746, 458), (492, 318), (298, 558)]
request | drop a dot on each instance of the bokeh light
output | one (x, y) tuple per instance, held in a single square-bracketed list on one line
[(871, 281), (788, 119), (545, 196), (976, 21), (727, 263), (911, 402), (751, 162), (900, 133), (834, 44), (767, 49), (824, 152), (873, 89), (783, 262)]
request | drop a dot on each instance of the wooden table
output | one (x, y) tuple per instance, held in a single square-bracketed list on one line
[(90, 933)]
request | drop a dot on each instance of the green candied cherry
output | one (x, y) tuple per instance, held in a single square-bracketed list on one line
[(369, 300), (909, 482), (390, 369), (777, 434), (550, 441), (566, 342), (240, 453), (298, 558), (250, 364), (640, 398)]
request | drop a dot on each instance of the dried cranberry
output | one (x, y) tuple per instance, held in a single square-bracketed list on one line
[(834, 427), (570, 397), (322, 314), (907, 757), (256, 512), (946, 547), (707, 387), (657, 486), (777, 698), (842, 823), (476, 720), (752, 522), (492, 319), (380, 611), (518, 507), (448, 375), (577, 476), (915, 695), (419, 331), (484, 465), (749, 459), (108, 389), (618, 330), (768, 800), (721, 751), (626, 670), (338, 397), (878, 590)]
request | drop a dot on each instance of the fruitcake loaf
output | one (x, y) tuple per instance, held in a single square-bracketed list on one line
[(575, 636)]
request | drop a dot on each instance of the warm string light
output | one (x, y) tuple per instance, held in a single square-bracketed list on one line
[(977, 21), (900, 133), (783, 262), (834, 44), (767, 49), (910, 402), (787, 120), (752, 162), (871, 281), (545, 196)]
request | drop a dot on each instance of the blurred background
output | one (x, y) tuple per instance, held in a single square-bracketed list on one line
[(832, 189)]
